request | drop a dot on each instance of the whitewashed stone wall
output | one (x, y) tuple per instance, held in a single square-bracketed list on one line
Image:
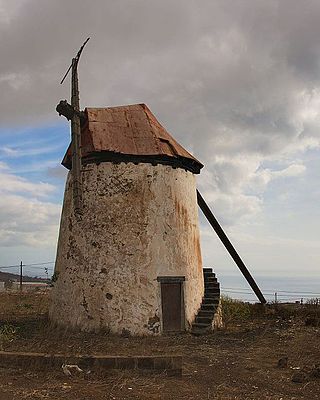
[(139, 222)]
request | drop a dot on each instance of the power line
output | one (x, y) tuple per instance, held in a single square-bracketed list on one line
[(44, 263), (285, 291), (271, 292), (296, 297), (235, 291), (29, 269), (26, 265)]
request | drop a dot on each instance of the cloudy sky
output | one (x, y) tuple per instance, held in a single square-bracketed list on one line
[(236, 82)]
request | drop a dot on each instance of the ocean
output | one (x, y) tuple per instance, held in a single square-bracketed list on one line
[(282, 288)]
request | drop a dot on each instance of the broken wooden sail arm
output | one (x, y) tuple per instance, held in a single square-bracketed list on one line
[(228, 245), (76, 59)]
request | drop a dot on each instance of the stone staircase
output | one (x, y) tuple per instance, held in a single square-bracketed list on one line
[(210, 302)]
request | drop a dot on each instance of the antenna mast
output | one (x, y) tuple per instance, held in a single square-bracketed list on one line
[(72, 112)]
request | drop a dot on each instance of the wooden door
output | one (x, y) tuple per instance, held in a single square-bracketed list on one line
[(171, 300)]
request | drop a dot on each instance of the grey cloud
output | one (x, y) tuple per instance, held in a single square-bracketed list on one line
[(27, 221), (224, 77), (58, 172)]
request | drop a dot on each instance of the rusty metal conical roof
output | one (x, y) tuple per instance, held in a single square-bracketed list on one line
[(129, 134)]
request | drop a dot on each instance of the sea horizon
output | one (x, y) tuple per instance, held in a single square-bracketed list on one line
[(273, 287)]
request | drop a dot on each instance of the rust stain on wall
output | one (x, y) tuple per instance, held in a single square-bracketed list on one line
[(182, 213), (197, 250)]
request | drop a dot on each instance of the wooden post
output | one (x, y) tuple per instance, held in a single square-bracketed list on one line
[(73, 112), (76, 139), (21, 276)]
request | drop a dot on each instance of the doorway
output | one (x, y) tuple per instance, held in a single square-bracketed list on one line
[(172, 303)]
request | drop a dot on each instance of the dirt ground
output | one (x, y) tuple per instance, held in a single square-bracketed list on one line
[(238, 362)]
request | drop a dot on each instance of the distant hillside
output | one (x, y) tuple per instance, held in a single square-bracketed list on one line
[(6, 277)]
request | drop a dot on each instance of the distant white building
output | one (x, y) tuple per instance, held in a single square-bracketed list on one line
[(29, 286)]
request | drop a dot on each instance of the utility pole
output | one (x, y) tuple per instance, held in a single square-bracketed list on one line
[(21, 265)]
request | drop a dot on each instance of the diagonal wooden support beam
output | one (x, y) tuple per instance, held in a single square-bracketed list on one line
[(228, 245)]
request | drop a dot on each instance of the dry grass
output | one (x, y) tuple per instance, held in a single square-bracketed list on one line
[(239, 362), (15, 305)]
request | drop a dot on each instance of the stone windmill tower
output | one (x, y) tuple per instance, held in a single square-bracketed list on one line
[(128, 256), (131, 261)]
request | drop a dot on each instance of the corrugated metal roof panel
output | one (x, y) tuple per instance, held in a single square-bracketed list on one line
[(130, 131)]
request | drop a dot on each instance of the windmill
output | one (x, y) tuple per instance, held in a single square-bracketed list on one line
[(136, 250), (72, 112)]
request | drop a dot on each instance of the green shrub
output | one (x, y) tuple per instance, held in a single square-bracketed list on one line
[(54, 278), (234, 310)]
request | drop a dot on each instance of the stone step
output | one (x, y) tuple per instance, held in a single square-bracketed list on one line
[(211, 279), (205, 313), (208, 275), (211, 300), (210, 289), (201, 325), (209, 307), (199, 331), (203, 320), (214, 291), (214, 296), (211, 285)]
